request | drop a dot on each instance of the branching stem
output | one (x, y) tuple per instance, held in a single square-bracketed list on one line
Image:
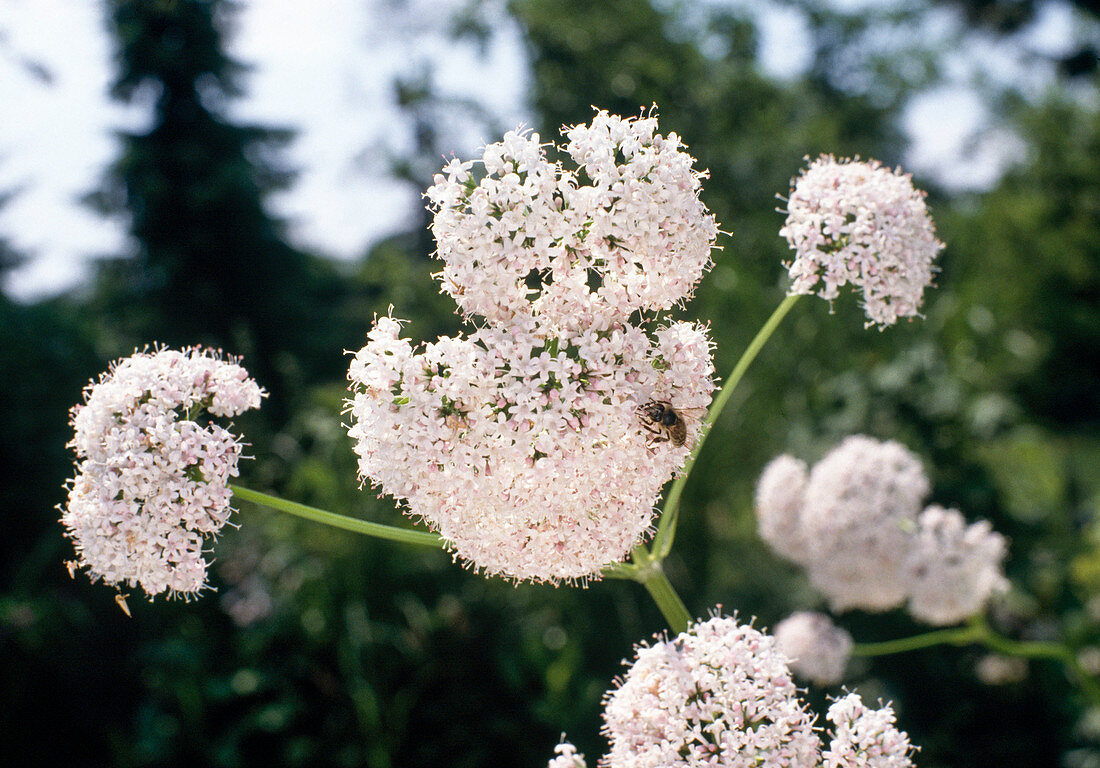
[(978, 632)]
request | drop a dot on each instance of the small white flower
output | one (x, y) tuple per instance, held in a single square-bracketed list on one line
[(818, 648), (865, 738), (953, 568), (719, 694), (566, 756), (858, 222), (152, 483)]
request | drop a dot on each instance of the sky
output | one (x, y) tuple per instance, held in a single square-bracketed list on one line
[(325, 70)]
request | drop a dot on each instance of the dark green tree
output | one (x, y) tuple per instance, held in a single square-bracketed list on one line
[(211, 265)]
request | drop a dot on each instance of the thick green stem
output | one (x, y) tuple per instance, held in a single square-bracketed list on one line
[(666, 528), (378, 530), (648, 572)]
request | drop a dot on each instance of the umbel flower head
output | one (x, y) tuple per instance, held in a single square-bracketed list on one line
[(954, 568), (622, 229), (720, 695), (865, 738), (819, 650), (526, 452), (522, 443), (857, 222), (152, 479), (854, 523)]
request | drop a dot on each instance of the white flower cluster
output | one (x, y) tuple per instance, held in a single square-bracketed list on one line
[(854, 522), (521, 443), (948, 553), (818, 649), (721, 696), (573, 248), (865, 738), (152, 482), (858, 222)]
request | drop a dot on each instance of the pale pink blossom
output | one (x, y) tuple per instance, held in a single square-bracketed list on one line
[(522, 449), (854, 523), (858, 516), (819, 650), (719, 694), (953, 568), (865, 738), (860, 223), (779, 502), (620, 230), (521, 443), (152, 482)]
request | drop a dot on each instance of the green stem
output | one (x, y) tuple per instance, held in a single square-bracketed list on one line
[(648, 572), (1038, 649), (666, 527), (378, 530), (954, 636), (619, 571), (978, 632)]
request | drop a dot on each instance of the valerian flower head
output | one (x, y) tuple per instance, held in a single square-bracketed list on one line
[(152, 480), (854, 523), (819, 650), (719, 694), (524, 444), (779, 502), (859, 512), (860, 223), (865, 738), (525, 451), (583, 247), (953, 568)]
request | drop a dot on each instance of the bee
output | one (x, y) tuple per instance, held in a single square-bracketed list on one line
[(121, 600), (456, 423), (663, 422)]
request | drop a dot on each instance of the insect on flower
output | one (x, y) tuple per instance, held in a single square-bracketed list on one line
[(663, 422)]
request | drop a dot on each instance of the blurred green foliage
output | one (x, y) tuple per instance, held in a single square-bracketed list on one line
[(322, 648)]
